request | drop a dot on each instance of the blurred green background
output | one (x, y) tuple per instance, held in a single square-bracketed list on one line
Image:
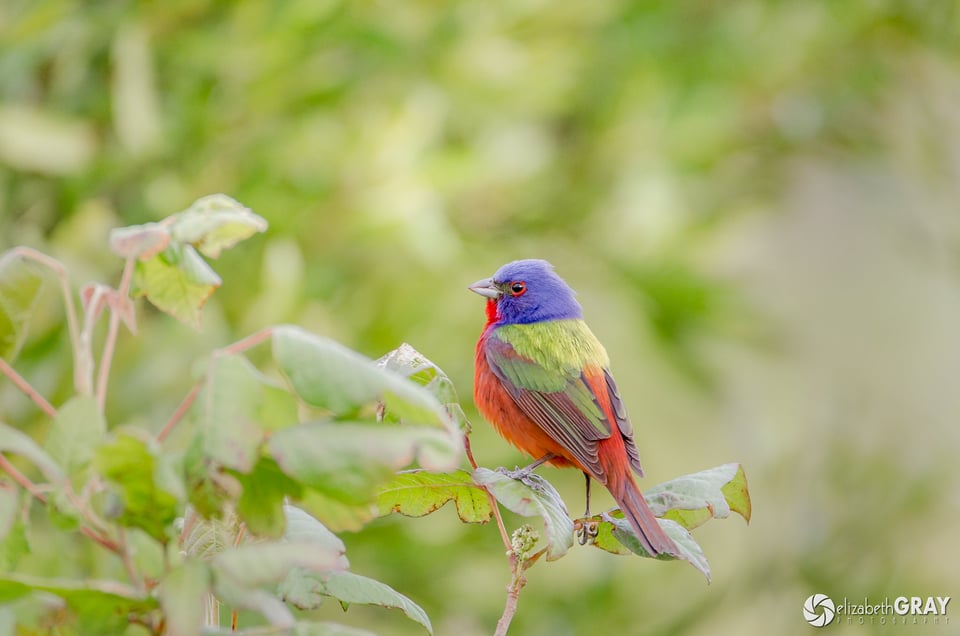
[(757, 202)]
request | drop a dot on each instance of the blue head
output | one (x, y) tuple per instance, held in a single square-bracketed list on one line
[(527, 291)]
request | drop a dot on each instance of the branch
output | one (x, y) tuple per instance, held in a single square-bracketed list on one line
[(70, 308), (125, 555), (493, 500), (182, 409), (249, 342), (21, 479), (517, 567), (123, 294), (39, 495), (27, 388)]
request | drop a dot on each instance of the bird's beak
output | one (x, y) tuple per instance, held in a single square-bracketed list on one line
[(485, 287)]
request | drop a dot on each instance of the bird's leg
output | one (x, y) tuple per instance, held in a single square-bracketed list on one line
[(520, 473), (587, 477), (588, 530)]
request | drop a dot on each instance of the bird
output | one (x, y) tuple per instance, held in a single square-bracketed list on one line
[(542, 378)]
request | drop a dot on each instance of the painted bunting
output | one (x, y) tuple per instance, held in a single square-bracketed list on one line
[(543, 380)]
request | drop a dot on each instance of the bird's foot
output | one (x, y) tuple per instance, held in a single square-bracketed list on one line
[(520, 474), (586, 530)]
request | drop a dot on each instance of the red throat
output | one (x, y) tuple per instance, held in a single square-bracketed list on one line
[(492, 315)]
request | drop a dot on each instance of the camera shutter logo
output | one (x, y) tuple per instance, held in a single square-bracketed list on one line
[(819, 610)]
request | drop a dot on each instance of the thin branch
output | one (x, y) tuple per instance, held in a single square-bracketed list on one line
[(249, 342), (237, 347), (70, 306), (38, 494), (509, 608), (125, 555), (493, 500), (123, 294), (235, 614), (517, 583), (85, 510), (21, 479), (182, 409), (27, 388), (106, 542)]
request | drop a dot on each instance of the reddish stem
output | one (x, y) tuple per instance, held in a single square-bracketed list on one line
[(27, 388), (123, 293), (34, 490), (71, 308), (493, 500), (182, 409), (21, 479), (249, 342)]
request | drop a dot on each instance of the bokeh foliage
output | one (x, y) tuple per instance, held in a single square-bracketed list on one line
[(755, 200)]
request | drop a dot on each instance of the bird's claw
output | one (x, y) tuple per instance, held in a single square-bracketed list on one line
[(587, 531), (520, 474)]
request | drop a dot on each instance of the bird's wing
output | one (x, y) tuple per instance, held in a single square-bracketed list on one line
[(573, 400)]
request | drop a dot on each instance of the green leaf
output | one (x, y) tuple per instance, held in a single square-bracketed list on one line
[(139, 241), (690, 550), (300, 586), (348, 587), (305, 589), (231, 430), (13, 441), (263, 563), (20, 288), (203, 490), (77, 430), (737, 494), (9, 507), (415, 366), (129, 465), (419, 492), (348, 461), (693, 499), (63, 514), (328, 375), (337, 515), (302, 526), (205, 538), (182, 597), (235, 593), (261, 502), (240, 406), (531, 495), (100, 607), (13, 529), (14, 546), (177, 281), (214, 223)]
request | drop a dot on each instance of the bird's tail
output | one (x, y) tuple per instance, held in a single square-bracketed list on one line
[(627, 494)]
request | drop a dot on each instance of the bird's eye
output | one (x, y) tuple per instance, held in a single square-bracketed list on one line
[(517, 288)]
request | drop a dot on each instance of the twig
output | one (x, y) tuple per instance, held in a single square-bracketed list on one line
[(182, 409), (513, 590), (246, 343), (493, 500), (21, 479), (237, 347), (517, 567), (135, 579), (39, 495), (106, 542), (235, 614), (70, 307), (27, 388), (510, 607), (123, 294)]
